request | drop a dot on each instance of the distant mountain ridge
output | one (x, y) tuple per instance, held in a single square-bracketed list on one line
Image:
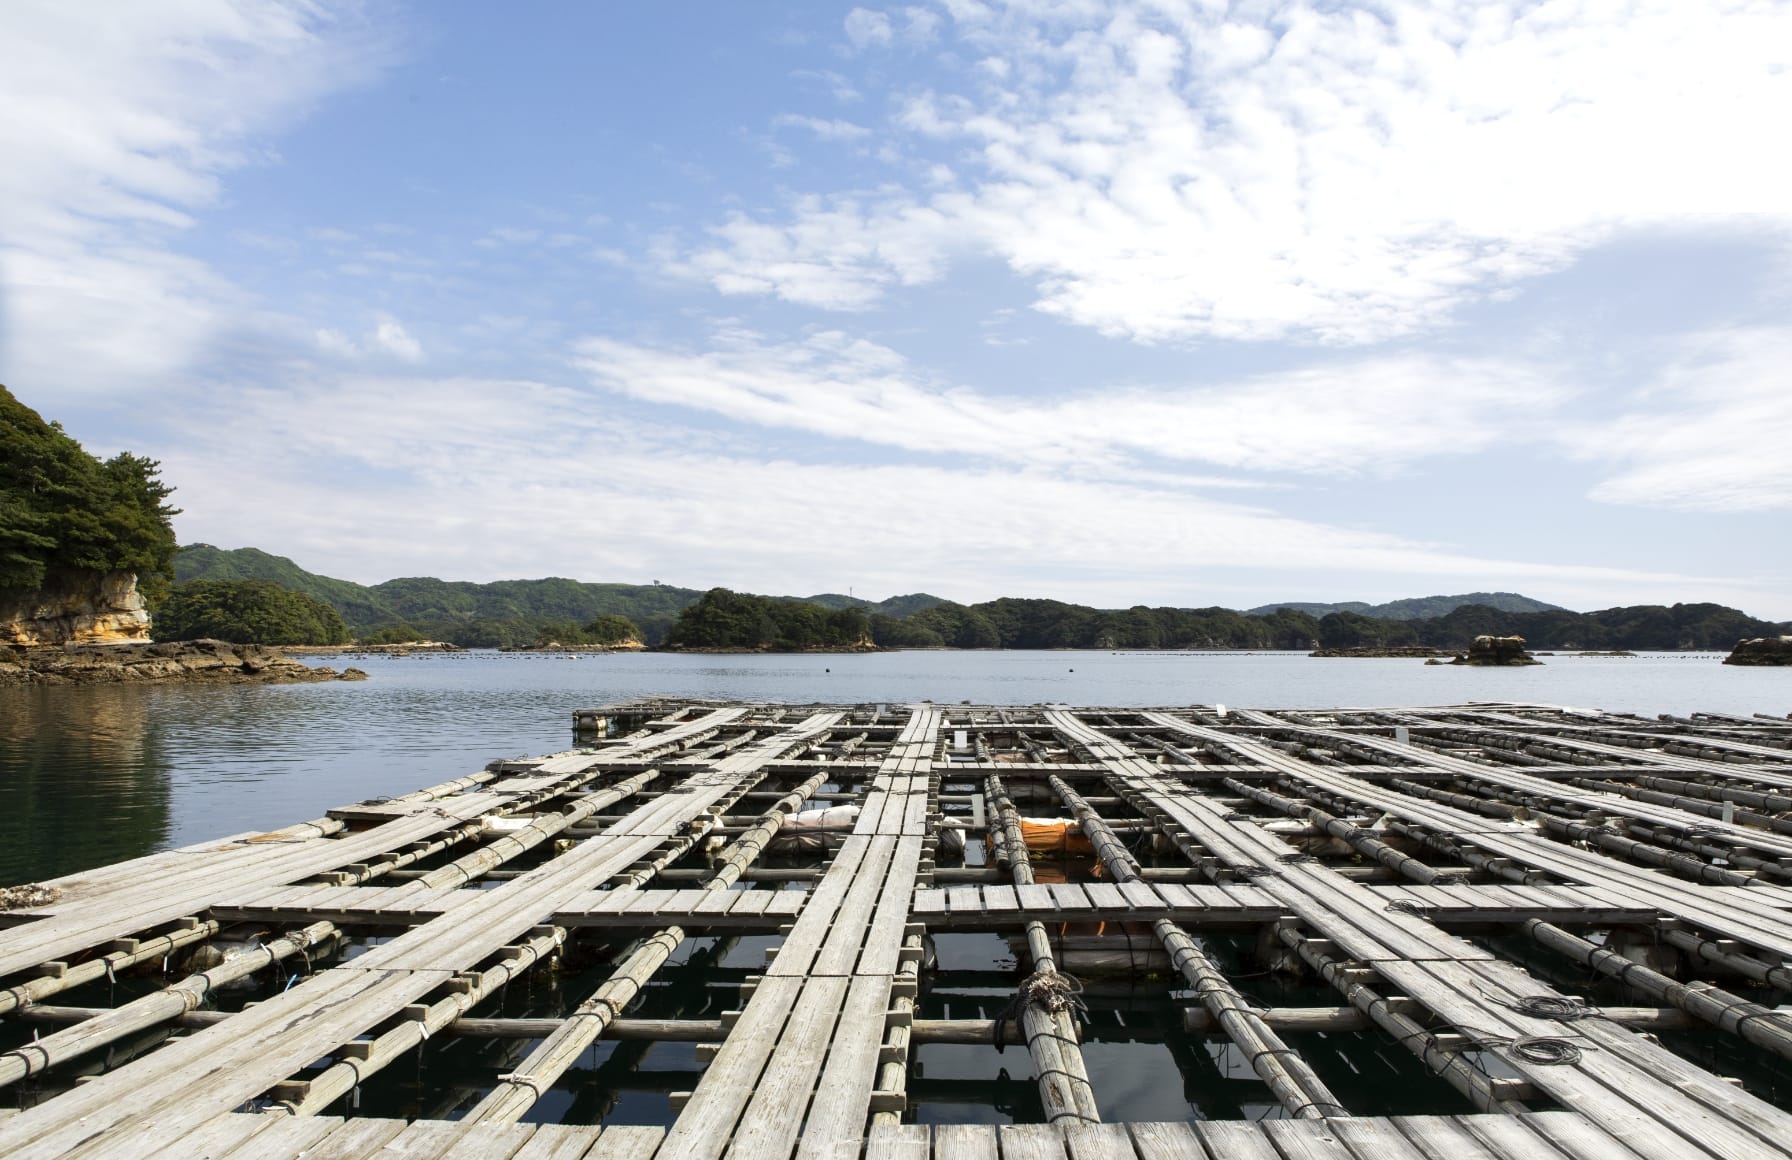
[(1415, 607), (471, 611)]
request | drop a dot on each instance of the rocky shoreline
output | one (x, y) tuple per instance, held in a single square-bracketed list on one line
[(1763, 650), (138, 662)]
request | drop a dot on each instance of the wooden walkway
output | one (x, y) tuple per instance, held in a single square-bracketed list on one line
[(1396, 856)]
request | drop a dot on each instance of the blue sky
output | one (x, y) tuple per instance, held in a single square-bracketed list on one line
[(1169, 303)]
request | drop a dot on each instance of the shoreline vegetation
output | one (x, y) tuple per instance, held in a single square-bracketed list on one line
[(531, 614)]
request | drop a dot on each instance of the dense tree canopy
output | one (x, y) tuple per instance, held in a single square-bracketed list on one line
[(247, 612), (62, 510), (724, 619)]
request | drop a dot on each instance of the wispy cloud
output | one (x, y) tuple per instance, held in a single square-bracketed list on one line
[(116, 123), (824, 128), (1711, 432), (448, 458), (1339, 174), (1374, 415)]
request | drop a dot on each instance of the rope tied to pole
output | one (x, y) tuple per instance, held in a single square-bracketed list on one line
[(1409, 906), (1053, 992)]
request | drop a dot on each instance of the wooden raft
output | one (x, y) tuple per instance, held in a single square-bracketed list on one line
[(1385, 852)]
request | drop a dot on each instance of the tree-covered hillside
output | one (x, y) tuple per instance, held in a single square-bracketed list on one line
[(736, 620), (1644, 626), (504, 613), (247, 612), (1415, 607), (525, 612), (62, 510)]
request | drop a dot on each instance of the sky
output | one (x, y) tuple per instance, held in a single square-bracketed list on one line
[(1176, 302)]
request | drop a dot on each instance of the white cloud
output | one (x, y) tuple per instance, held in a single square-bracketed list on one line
[(1340, 173), (865, 28), (838, 257), (1712, 432), (396, 340), (116, 122), (446, 497), (1364, 416), (827, 130)]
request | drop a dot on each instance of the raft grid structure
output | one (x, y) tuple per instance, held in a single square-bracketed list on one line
[(1386, 852)]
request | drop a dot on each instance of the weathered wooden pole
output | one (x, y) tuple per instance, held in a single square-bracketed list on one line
[(1064, 1088), (1290, 1078)]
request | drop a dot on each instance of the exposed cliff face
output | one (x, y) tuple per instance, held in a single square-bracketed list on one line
[(77, 608)]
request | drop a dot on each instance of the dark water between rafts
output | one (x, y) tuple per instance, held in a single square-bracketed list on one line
[(90, 776)]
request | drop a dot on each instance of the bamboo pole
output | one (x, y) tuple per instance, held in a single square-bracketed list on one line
[(1064, 1088), (517, 1091), (160, 1007), (1761, 1026), (146, 951), (1289, 1077), (1450, 1066)]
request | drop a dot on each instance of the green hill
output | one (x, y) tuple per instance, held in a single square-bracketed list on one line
[(895, 607), (504, 612), (1415, 607)]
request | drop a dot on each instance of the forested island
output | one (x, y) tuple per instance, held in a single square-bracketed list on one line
[(535, 613)]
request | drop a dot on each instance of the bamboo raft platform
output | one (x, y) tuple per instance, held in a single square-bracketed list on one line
[(1413, 861)]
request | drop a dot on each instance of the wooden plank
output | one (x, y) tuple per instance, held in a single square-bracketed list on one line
[(836, 1124), (998, 899), (1374, 1138), (1105, 896), (1308, 1139), (355, 1139), (897, 1142), (965, 1141), (566, 1142), (1509, 1136), (1576, 1136), (422, 1140), (222, 1135), (286, 1136), (490, 1142), (1443, 1138), (628, 1142), (706, 1123), (1098, 1142), (1236, 1140), (883, 940), (1171, 1140), (1031, 1142), (840, 949), (774, 1116)]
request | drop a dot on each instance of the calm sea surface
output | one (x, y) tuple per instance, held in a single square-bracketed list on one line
[(95, 775)]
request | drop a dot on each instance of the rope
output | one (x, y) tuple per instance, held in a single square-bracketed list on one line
[(1542, 1050), (1053, 992), (1408, 906)]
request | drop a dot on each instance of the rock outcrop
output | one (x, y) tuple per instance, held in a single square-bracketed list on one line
[(205, 661), (1497, 650), (1763, 650), (76, 608)]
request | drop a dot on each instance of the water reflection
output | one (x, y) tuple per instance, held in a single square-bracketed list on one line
[(93, 775), (84, 780)]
